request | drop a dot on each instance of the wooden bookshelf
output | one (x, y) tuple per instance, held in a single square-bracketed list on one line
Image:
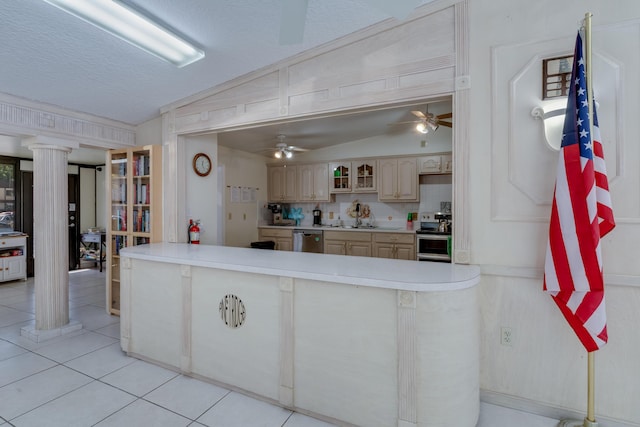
[(135, 203)]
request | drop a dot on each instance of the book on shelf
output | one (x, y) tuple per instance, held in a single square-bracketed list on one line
[(143, 193), (141, 165)]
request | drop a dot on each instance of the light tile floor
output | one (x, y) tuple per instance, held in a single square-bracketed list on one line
[(84, 379)]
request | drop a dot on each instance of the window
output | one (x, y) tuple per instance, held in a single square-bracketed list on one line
[(7, 194), (556, 76)]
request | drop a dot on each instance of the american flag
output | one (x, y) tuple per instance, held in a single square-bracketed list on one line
[(581, 214)]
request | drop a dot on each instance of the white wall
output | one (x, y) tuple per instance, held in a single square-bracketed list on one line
[(510, 179), (247, 171), (201, 192), (149, 132), (512, 176)]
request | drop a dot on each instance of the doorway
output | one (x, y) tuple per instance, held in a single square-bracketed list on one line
[(26, 196)]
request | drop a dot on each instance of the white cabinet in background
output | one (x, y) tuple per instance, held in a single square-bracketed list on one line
[(13, 258), (356, 176), (283, 238), (347, 243), (440, 164), (313, 183), (364, 177), (282, 183), (398, 180), (340, 177)]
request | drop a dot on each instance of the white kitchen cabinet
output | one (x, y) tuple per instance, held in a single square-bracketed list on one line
[(398, 180), (354, 243), (440, 164), (282, 183), (394, 245), (447, 163), (356, 176), (13, 258), (283, 238), (340, 177), (364, 178), (313, 182)]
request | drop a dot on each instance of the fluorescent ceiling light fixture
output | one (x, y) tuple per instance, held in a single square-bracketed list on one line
[(132, 27)]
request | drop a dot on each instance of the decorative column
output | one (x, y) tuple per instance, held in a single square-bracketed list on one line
[(51, 238)]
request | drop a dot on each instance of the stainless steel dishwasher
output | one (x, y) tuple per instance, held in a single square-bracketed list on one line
[(308, 241)]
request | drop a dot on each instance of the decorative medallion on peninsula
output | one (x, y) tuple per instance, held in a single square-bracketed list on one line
[(232, 311)]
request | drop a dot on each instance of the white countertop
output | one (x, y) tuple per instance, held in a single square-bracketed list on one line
[(421, 276)]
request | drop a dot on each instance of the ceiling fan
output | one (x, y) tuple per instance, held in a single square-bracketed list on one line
[(428, 121), (283, 150), (294, 14)]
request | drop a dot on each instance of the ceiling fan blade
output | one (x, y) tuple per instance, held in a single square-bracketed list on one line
[(294, 15), (445, 116), (445, 124), (403, 123), (418, 114), (299, 149)]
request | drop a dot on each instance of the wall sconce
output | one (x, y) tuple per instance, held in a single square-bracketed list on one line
[(552, 117)]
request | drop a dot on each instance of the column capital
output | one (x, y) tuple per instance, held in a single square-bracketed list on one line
[(47, 142)]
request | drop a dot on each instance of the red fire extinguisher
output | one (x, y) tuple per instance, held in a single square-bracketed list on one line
[(194, 232)]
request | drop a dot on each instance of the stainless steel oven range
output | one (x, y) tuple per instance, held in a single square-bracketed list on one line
[(433, 238)]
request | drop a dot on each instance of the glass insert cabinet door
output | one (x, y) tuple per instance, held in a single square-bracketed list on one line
[(340, 177), (365, 178)]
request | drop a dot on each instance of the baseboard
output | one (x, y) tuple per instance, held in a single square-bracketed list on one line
[(546, 410)]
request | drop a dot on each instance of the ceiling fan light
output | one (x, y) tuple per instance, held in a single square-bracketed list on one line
[(288, 154), (278, 154), (422, 128)]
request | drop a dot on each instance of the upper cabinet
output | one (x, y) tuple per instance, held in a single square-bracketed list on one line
[(313, 183), (398, 180), (364, 175), (340, 181), (282, 183), (356, 176), (439, 164)]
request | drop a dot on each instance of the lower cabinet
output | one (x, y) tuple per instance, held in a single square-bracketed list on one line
[(394, 246), (283, 238), (347, 243), (13, 258)]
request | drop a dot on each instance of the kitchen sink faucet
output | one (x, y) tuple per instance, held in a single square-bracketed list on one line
[(358, 220)]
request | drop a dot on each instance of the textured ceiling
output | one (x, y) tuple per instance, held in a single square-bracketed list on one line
[(50, 56)]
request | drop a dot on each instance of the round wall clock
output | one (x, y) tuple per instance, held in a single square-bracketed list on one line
[(201, 164)]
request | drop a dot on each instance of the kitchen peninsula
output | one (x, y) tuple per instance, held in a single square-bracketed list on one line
[(356, 340)]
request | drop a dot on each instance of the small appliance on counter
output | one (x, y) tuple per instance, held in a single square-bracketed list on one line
[(317, 217), (276, 211), (278, 215)]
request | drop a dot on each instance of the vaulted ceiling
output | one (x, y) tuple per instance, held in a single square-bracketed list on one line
[(52, 57)]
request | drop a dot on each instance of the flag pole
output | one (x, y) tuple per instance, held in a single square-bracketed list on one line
[(590, 420)]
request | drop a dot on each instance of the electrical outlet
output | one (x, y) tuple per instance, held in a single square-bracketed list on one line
[(506, 336)]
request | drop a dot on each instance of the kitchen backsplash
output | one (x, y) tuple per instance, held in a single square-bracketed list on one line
[(433, 190)]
